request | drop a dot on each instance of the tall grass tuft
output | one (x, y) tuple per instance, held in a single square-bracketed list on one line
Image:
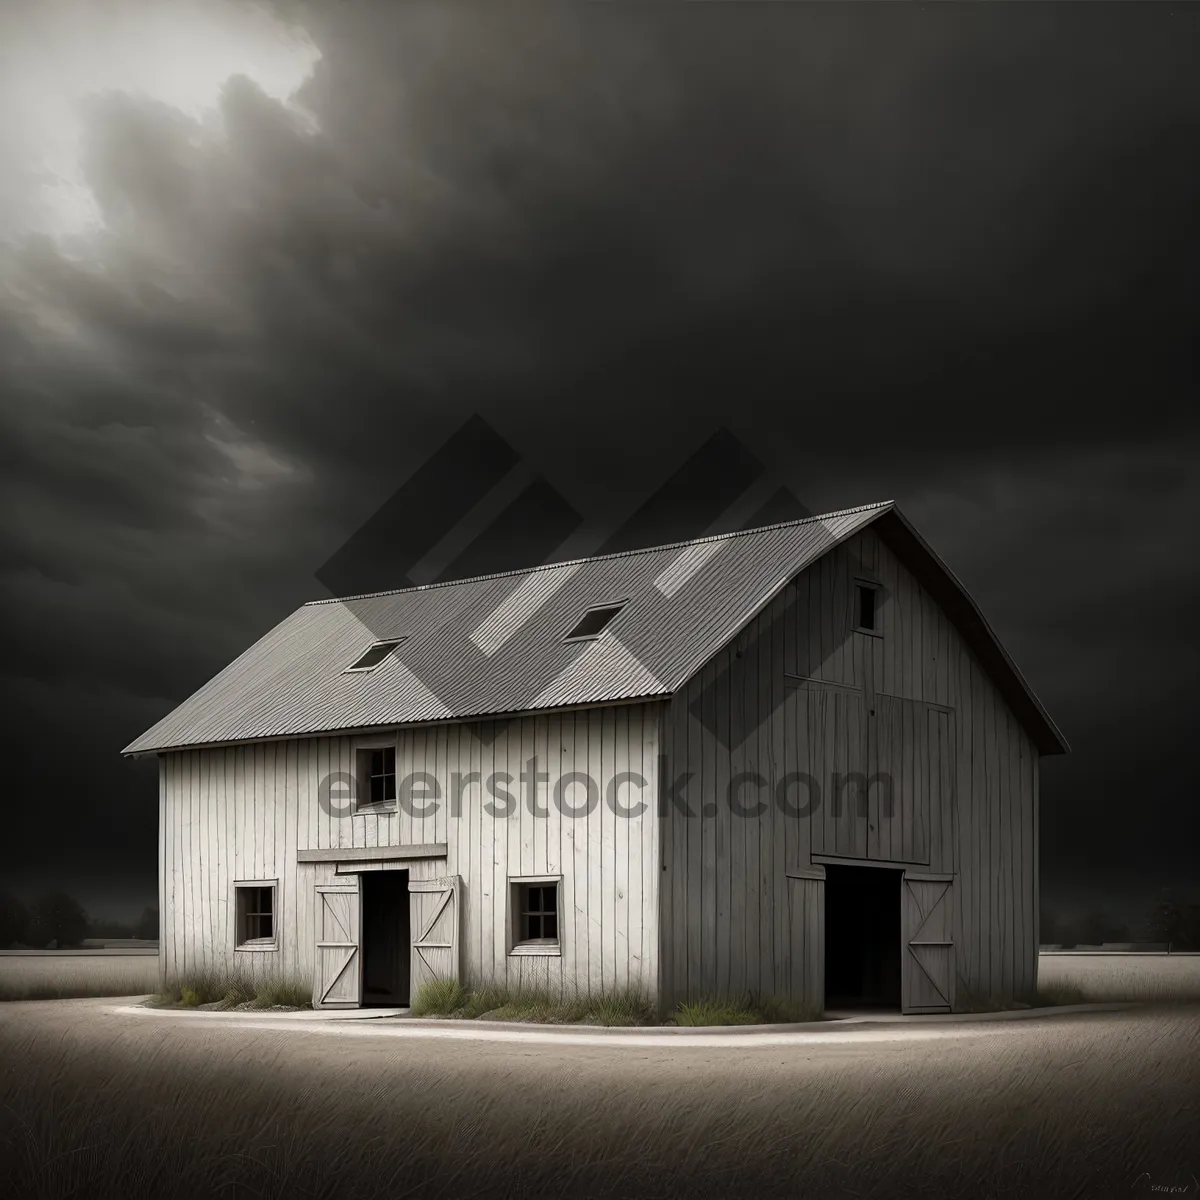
[(616, 1006), (229, 989), (748, 1010), (438, 998)]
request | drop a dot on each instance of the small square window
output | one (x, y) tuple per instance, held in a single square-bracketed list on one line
[(535, 916), (375, 654), (255, 915), (866, 610), (376, 776), (593, 622)]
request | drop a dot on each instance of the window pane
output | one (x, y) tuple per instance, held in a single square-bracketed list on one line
[(374, 655), (591, 623), (550, 927), (866, 608)]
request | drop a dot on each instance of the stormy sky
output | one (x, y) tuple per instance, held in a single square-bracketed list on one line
[(258, 262)]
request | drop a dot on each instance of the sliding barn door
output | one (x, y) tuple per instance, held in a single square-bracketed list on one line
[(436, 913), (806, 936), (927, 946), (338, 982)]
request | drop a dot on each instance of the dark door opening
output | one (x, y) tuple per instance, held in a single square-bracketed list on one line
[(386, 938), (862, 937)]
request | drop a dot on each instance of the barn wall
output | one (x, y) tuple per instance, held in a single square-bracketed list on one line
[(608, 925), (729, 922), (243, 812), (238, 813)]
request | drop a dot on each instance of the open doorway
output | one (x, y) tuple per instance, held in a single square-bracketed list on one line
[(386, 938), (862, 937)]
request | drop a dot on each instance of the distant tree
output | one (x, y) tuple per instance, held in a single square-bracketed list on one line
[(14, 920), (103, 928), (1050, 933), (1094, 928), (59, 918), (1068, 935), (147, 926), (1172, 920), (1190, 931)]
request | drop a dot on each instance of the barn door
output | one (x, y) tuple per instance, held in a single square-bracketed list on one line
[(831, 737), (927, 946), (435, 923), (338, 982), (806, 936), (899, 807)]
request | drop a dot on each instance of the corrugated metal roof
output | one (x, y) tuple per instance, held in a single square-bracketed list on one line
[(494, 643)]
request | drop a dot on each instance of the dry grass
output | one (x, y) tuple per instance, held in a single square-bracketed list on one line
[(1065, 1107), (230, 989), (1114, 977), (747, 1010), (448, 998), (62, 976)]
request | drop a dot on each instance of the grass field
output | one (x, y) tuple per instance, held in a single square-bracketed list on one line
[(1123, 976), (1068, 1107), (67, 974)]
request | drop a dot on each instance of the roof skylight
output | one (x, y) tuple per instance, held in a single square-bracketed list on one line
[(593, 622), (375, 654)]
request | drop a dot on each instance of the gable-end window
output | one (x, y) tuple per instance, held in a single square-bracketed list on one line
[(374, 655), (376, 777), (593, 622), (254, 914), (866, 607), (534, 906)]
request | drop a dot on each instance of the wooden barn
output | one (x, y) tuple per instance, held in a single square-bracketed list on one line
[(789, 761)]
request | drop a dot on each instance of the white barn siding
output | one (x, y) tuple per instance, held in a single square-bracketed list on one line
[(244, 812), (969, 788)]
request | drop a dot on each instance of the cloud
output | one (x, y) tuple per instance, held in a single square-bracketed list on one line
[(943, 256)]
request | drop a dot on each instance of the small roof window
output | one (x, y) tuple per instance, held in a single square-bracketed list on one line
[(593, 622), (375, 654)]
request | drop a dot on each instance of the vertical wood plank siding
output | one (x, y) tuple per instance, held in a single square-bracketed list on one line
[(243, 812), (804, 694)]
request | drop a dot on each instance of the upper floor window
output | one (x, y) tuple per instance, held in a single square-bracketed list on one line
[(866, 607), (377, 776)]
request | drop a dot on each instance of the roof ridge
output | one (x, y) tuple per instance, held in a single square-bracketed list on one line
[(570, 562)]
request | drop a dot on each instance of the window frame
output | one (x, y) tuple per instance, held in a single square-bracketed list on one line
[(619, 604), (518, 946), (872, 585), (363, 747), (255, 945), (393, 642)]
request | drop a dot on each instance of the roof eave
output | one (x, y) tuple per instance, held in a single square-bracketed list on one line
[(967, 615)]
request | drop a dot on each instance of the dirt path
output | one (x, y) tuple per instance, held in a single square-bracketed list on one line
[(1090, 1105)]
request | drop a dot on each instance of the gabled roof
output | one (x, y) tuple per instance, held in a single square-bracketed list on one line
[(494, 644)]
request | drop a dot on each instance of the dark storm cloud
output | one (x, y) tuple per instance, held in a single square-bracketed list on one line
[(947, 256)]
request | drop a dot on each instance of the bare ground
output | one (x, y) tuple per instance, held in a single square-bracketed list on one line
[(101, 1103)]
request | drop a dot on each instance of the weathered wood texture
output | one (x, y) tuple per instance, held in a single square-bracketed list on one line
[(797, 710), (249, 812)]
